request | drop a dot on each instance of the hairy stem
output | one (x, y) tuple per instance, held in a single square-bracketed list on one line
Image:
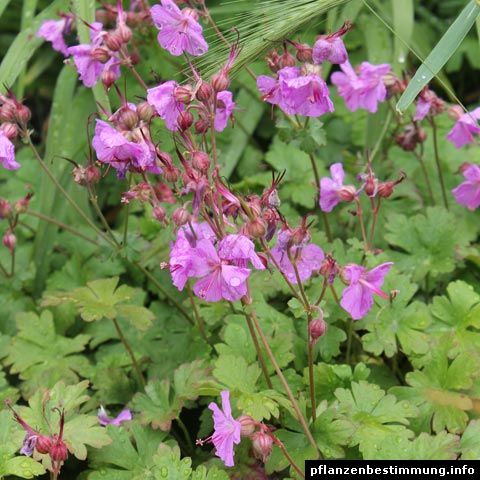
[(311, 381), (197, 316), (362, 224)]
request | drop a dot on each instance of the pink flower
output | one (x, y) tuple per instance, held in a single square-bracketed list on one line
[(364, 90), (307, 257), (332, 190), (226, 429), (295, 93), (88, 67), (357, 298), (165, 103), (179, 29), (330, 47), (114, 148), (468, 193), (467, 126), (225, 106), (7, 153), (427, 102), (52, 31), (104, 420)]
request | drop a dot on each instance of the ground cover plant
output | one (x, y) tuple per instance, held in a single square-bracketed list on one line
[(237, 236)]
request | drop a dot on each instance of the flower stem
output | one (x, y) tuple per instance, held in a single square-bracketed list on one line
[(362, 224), (437, 161), (425, 175), (375, 210), (281, 446), (311, 381), (284, 382), (130, 352), (198, 318)]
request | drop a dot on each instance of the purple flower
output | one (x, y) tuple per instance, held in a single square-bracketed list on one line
[(331, 49), (332, 190), (164, 102), (88, 67), (7, 153), (225, 106), (179, 29), (467, 126), (104, 419), (364, 90), (468, 192), (307, 257), (357, 298), (113, 148), (295, 93), (226, 429), (52, 31)]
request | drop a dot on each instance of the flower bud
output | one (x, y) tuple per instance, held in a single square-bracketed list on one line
[(124, 32), (455, 112), (58, 451), (43, 444), (10, 130), (10, 240), (371, 184), (158, 213), (129, 118), (304, 52), (92, 175), (185, 120), (108, 78), (5, 208), (393, 84), (201, 126), (220, 81), (183, 94), (286, 60), (317, 328), (21, 206), (145, 111), (201, 161), (180, 216), (171, 173), (204, 92), (256, 228), (101, 54), (113, 41), (22, 114), (347, 193), (248, 425), (262, 445)]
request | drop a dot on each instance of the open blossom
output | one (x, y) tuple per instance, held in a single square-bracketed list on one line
[(223, 112), (295, 93), (357, 298), (464, 129), (307, 257), (226, 429), (364, 90), (53, 31), (332, 190), (468, 192), (88, 66), (104, 419), (112, 147), (165, 103), (7, 153), (179, 29)]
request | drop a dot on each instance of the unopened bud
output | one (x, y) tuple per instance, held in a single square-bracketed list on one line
[(371, 184), (317, 328), (262, 445), (204, 92), (129, 118), (185, 120), (171, 173), (220, 81), (58, 451), (304, 52), (43, 444), (392, 83), (256, 228), (10, 240), (158, 213), (10, 130), (286, 60), (124, 32), (108, 78), (201, 126), (347, 193), (5, 208), (183, 94), (455, 112), (201, 161), (248, 425), (180, 216), (145, 111), (101, 54), (23, 114), (113, 41), (92, 175)]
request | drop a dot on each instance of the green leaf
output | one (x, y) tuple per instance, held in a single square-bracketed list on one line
[(42, 357), (378, 418), (470, 442), (260, 406), (237, 339), (440, 54), (403, 22), (235, 374)]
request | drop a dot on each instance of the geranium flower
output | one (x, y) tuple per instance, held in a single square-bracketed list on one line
[(7, 153), (331, 47), (179, 29), (104, 419), (53, 30), (364, 90), (165, 103), (225, 106), (468, 192), (227, 429), (357, 298), (332, 190), (464, 129)]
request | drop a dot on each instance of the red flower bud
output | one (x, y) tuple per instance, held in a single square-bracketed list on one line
[(22, 114), (124, 32), (158, 213), (183, 94), (10, 130), (204, 92), (248, 425), (171, 173), (108, 78), (317, 328), (201, 161), (220, 81), (10, 240), (286, 60), (5, 208), (185, 120), (58, 451), (256, 228), (180, 216), (113, 41), (201, 126), (145, 111), (43, 444), (262, 445), (101, 54), (347, 193)]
